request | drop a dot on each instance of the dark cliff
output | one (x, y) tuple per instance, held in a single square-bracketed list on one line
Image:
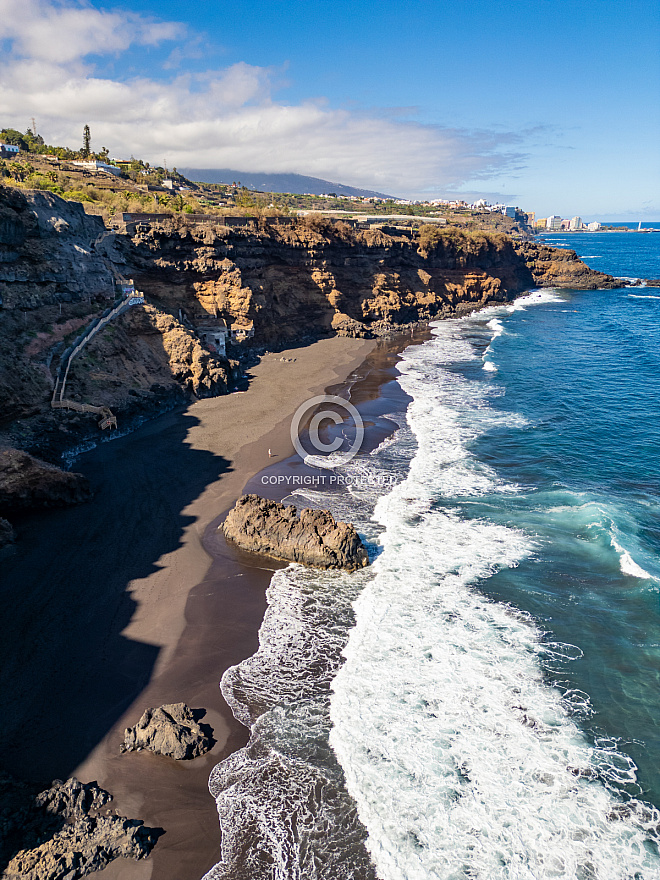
[(322, 278), (293, 280)]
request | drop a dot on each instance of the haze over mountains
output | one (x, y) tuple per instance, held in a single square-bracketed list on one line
[(284, 183)]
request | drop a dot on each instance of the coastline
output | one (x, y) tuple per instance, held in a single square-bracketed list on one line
[(147, 623)]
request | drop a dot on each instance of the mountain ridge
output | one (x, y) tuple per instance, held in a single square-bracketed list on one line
[(280, 183)]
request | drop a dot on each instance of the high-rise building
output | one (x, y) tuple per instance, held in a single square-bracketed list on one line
[(575, 224), (553, 222)]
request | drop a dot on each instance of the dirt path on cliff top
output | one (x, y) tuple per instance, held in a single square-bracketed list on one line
[(96, 599)]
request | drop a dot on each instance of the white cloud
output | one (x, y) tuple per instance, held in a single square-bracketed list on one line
[(223, 118), (42, 30)]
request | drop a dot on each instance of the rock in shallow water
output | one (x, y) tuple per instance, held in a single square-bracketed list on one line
[(314, 538), (170, 730)]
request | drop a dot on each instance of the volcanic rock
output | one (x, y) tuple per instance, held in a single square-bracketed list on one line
[(314, 538), (26, 482), (59, 834), (170, 730)]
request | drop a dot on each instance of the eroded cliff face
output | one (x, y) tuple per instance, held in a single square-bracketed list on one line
[(297, 280), (58, 271), (291, 280), (47, 253), (556, 267), (300, 281)]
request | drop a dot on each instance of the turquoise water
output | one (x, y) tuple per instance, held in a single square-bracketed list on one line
[(623, 254), (584, 373), (482, 698), (496, 715)]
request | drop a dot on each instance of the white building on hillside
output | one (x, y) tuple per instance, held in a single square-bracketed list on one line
[(95, 165), (594, 227)]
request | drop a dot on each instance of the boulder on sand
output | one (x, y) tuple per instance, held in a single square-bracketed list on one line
[(314, 538), (170, 730), (61, 833)]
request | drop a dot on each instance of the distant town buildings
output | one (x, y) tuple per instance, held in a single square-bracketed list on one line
[(557, 224)]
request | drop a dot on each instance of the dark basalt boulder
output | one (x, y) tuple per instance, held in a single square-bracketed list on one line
[(172, 730), (61, 835), (314, 538), (72, 799)]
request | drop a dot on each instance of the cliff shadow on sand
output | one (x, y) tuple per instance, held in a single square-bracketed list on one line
[(69, 672)]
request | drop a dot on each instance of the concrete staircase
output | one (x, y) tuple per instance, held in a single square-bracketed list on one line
[(58, 400)]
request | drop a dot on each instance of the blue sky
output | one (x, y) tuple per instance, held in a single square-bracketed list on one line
[(549, 104)]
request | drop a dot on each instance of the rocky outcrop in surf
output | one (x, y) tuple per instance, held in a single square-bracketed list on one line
[(61, 833), (314, 538), (172, 730), (559, 267)]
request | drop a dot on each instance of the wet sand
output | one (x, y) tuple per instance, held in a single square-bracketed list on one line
[(134, 600), (110, 610)]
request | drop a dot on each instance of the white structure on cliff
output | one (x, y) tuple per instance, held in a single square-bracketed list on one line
[(214, 337)]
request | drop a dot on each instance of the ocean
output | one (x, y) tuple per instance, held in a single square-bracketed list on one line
[(482, 701)]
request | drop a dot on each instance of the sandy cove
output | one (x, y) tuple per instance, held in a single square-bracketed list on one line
[(124, 610)]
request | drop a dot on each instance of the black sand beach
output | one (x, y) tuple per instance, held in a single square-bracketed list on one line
[(116, 605)]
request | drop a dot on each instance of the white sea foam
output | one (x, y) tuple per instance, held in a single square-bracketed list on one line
[(448, 411), (642, 296), (628, 564), (535, 298), (463, 761)]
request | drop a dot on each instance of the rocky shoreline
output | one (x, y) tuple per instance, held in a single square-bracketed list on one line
[(56, 273), (313, 538), (290, 283)]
